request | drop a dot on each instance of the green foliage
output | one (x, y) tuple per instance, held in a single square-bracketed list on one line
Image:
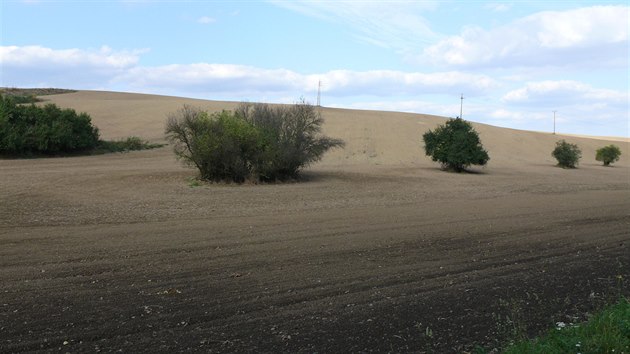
[(567, 154), (30, 129), (290, 138), (606, 332), (608, 154), (30, 94), (456, 145), (256, 142), (221, 145), (26, 98)]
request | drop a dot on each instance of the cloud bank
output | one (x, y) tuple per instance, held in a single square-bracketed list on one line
[(34, 65), (591, 35)]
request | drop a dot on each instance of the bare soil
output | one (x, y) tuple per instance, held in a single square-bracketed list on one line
[(125, 252), (119, 252)]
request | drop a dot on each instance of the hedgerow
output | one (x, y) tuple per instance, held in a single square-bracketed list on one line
[(31, 129), (27, 130)]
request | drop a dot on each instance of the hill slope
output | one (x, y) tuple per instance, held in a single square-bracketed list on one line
[(372, 137)]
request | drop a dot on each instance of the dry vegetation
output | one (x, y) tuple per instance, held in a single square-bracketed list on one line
[(378, 250)]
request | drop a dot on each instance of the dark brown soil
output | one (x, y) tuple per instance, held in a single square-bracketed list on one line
[(118, 252)]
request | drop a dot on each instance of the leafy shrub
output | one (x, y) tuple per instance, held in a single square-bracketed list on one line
[(21, 99), (221, 145), (256, 141), (567, 154), (290, 138), (30, 129), (456, 145), (608, 154)]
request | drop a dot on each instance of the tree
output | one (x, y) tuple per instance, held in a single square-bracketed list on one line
[(567, 154), (257, 141), (30, 129), (456, 145), (291, 138), (221, 145), (608, 154)]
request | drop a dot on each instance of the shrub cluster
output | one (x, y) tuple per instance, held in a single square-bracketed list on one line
[(608, 154), (456, 145), (255, 142), (30, 129), (567, 154)]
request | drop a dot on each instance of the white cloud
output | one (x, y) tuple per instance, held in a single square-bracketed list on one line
[(597, 34), (564, 92), (85, 68), (30, 66), (204, 77), (387, 24), (30, 56), (248, 80), (498, 7), (205, 20), (388, 82)]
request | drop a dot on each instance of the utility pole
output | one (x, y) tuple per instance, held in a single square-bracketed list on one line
[(461, 106), (319, 93), (554, 122)]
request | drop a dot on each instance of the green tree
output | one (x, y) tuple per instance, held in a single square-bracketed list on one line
[(567, 154), (608, 154), (220, 145), (30, 129), (257, 141), (291, 138), (456, 145)]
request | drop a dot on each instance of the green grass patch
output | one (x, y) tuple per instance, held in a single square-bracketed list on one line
[(608, 331)]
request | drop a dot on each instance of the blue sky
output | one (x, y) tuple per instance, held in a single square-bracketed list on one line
[(515, 62)]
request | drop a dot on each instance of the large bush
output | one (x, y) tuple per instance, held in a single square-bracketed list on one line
[(456, 145), (567, 154), (257, 141), (608, 154), (30, 129), (290, 138)]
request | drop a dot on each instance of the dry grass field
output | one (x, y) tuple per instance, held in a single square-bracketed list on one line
[(376, 250)]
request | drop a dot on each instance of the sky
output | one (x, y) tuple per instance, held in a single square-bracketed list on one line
[(515, 62)]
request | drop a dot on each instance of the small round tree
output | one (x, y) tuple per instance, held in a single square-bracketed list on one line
[(608, 154), (567, 154), (455, 145)]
